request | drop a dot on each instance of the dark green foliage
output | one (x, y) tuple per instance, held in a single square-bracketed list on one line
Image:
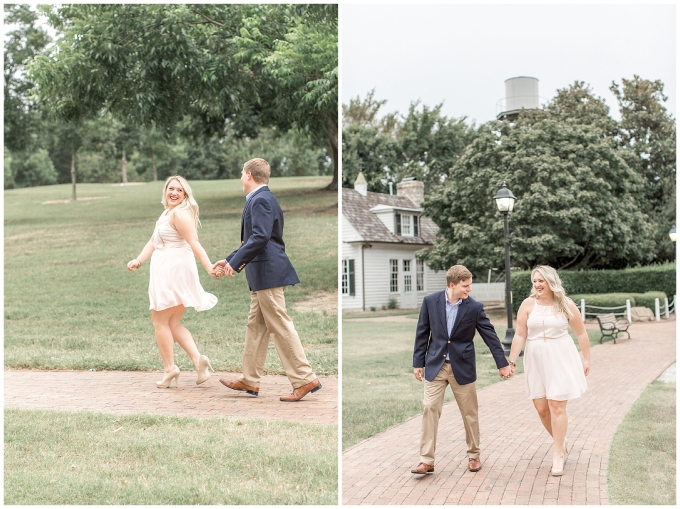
[(619, 299), (652, 278), (25, 40), (231, 69), (424, 144), (578, 199)]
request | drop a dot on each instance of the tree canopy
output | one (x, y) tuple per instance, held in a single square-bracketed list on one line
[(233, 69), (581, 202), (423, 143)]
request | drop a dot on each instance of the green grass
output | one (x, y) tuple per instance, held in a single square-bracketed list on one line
[(642, 457), (87, 458), (378, 386), (70, 303)]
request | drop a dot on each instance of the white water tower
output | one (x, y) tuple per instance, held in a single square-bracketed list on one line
[(521, 92)]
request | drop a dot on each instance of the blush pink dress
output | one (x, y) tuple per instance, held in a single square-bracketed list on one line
[(173, 273), (552, 364)]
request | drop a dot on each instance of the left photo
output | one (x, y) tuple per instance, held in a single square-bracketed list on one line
[(171, 247)]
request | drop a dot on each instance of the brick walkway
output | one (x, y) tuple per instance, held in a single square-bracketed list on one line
[(516, 450), (131, 392)]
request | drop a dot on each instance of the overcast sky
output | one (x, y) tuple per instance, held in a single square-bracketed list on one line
[(462, 54)]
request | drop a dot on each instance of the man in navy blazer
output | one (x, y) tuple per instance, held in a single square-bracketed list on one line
[(268, 271), (444, 349)]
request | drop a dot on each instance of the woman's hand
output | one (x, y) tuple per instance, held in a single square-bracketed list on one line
[(134, 264), (586, 366)]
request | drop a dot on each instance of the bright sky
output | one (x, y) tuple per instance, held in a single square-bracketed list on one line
[(462, 54)]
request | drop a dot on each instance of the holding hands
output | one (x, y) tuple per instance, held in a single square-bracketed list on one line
[(222, 268), (507, 371)]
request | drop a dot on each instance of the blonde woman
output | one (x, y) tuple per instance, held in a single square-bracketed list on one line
[(554, 371), (173, 283)]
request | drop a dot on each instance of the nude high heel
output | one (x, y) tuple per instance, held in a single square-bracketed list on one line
[(173, 374), (558, 470), (202, 371)]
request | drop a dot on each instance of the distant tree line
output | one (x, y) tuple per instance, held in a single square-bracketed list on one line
[(592, 192), (140, 92)]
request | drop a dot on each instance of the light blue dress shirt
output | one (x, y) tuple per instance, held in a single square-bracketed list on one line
[(451, 314), (253, 191)]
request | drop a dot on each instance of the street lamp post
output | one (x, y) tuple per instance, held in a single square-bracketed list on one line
[(505, 201)]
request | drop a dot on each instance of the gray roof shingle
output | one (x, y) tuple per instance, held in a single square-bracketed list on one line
[(356, 208)]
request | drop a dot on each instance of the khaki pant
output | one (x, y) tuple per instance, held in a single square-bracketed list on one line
[(433, 401), (268, 316)]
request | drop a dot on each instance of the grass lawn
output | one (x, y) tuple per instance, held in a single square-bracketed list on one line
[(70, 302), (378, 387), (642, 457), (87, 458)]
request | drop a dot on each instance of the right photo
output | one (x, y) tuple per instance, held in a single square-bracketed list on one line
[(508, 254)]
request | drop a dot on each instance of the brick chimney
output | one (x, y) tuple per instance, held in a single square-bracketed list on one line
[(412, 189)]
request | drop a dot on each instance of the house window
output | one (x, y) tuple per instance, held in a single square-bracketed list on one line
[(420, 275), (406, 225), (394, 276), (407, 276), (348, 286)]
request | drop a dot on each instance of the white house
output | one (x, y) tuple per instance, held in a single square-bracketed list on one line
[(380, 236)]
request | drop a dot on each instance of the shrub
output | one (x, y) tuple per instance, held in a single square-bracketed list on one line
[(619, 299), (392, 303), (652, 278), (647, 299), (605, 300)]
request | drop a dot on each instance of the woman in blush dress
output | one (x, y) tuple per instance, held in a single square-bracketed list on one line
[(554, 371), (173, 283)]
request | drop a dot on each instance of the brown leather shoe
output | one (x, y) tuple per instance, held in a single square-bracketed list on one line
[(237, 385), (474, 465), (423, 468), (300, 392)]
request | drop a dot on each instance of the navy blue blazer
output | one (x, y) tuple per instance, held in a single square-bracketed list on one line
[(433, 341), (262, 252)]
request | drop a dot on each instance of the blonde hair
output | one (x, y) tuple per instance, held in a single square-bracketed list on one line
[(259, 169), (456, 274), (551, 277), (188, 203)]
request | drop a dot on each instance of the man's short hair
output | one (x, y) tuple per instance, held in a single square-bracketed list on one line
[(259, 169), (456, 274)]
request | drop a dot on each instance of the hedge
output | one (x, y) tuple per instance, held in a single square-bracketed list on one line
[(610, 300), (652, 278)]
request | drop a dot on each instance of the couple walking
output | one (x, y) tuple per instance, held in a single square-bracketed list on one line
[(444, 354), (174, 284)]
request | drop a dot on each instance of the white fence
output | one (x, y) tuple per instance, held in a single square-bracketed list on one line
[(488, 291), (625, 310)]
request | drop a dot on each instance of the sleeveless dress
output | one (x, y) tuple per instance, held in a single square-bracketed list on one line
[(173, 274), (552, 364)]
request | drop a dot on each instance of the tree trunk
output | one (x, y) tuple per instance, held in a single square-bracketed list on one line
[(73, 174), (153, 165), (332, 130), (124, 167)]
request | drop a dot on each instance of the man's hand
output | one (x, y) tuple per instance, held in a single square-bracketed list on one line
[(222, 268), (506, 372), (418, 373)]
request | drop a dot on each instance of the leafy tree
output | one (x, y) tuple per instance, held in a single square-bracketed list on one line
[(24, 39), (377, 155), (36, 170), (232, 68), (575, 204), (424, 144), (648, 131)]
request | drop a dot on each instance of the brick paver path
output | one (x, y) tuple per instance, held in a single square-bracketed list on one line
[(516, 449), (131, 392)]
